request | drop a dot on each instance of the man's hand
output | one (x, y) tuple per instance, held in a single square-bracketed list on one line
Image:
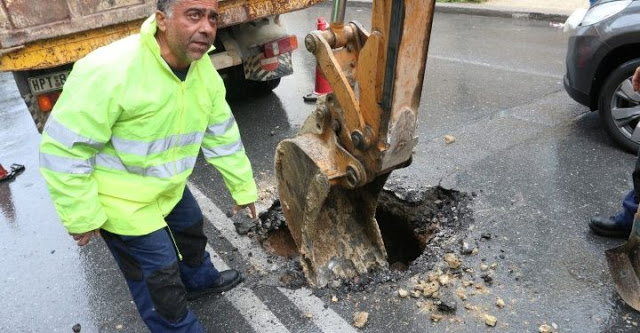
[(251, 206), (635, 81), (83, 239)]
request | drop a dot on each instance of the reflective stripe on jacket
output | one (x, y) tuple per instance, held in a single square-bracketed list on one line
[(125, 133)]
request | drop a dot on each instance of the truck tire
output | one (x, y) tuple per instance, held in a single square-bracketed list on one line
[(615, 99), (258, 88), (239, 87)]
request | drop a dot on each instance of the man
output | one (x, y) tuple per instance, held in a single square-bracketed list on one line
[(120, 144), (619, 226)]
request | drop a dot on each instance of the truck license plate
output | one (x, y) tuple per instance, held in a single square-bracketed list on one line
[(47, 83)]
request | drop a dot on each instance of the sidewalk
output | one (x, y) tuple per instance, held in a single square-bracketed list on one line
[(550, 10)]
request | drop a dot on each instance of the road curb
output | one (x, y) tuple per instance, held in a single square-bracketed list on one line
[(480, 10), (469, 9)]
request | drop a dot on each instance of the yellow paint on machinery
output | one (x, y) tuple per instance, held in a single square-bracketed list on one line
[(59, 51)]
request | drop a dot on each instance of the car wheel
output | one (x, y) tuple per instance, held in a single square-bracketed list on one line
[(619, 107)]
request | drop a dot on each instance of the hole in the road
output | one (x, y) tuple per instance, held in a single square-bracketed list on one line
[(414, 223), (279, 242), (409, 219), (402, 245)]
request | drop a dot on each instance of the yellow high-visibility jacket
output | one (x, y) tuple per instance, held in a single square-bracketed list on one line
[(125, 133)]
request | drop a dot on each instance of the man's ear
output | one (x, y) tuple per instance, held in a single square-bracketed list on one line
[(161, 21)]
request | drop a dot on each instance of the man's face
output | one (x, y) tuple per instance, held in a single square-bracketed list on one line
[(190, 30)]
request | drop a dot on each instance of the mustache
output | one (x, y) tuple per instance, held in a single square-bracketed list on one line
[(201, 40)]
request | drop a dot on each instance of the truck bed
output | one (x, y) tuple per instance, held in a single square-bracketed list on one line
[(24, 22)]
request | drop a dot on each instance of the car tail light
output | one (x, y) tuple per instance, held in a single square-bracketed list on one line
[(48, 100), (280, 46)]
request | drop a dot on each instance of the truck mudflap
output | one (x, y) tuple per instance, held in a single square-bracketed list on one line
[(259, 68)]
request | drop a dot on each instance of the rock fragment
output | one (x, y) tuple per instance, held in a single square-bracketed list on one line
[(447, 302), (243, 223), (427, 288), (544, 328), (460, 292), (434, 275), (360, 319), (490, 320), (403, 293), (466, 247), (436, 317), (444, 280), (452, 261), (487, 278), (449, 139), (500, 303)]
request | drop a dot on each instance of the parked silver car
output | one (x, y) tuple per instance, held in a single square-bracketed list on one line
[(604, 51)]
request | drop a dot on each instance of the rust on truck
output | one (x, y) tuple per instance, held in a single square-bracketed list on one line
[(63, 31)]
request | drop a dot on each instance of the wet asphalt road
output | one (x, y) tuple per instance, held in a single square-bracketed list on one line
[(539, 163)]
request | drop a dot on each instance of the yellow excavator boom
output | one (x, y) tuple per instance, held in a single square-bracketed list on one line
[(330, 174)]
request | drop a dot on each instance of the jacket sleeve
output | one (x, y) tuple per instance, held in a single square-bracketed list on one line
[(222, 147), (76, 131)]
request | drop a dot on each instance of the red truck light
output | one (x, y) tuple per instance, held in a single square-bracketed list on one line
[(48, 100), (280, 46)]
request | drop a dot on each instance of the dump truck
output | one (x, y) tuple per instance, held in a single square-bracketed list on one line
[(40, 41), (331, 173)]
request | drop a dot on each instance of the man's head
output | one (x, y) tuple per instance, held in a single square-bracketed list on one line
[(186, 29)]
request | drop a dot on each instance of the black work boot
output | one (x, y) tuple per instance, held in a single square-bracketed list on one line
[(609, 227), (227, 280)]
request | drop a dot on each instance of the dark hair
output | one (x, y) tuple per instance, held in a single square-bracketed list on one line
[(166, 6)]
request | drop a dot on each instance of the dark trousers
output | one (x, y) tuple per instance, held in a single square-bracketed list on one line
[(630, 201), (157, 279), (629, 208)]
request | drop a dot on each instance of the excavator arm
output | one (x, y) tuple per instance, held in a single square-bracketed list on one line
[(331, 174)]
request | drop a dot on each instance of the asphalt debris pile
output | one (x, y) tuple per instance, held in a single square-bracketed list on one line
[(271, 220), (450, 286)]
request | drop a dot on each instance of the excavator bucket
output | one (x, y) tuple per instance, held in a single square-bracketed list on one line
[(331, 174), (334, 228)]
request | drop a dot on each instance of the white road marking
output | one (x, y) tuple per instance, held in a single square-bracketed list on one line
[(225, 226), (326, 319), (493, 66), (248, 304)]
